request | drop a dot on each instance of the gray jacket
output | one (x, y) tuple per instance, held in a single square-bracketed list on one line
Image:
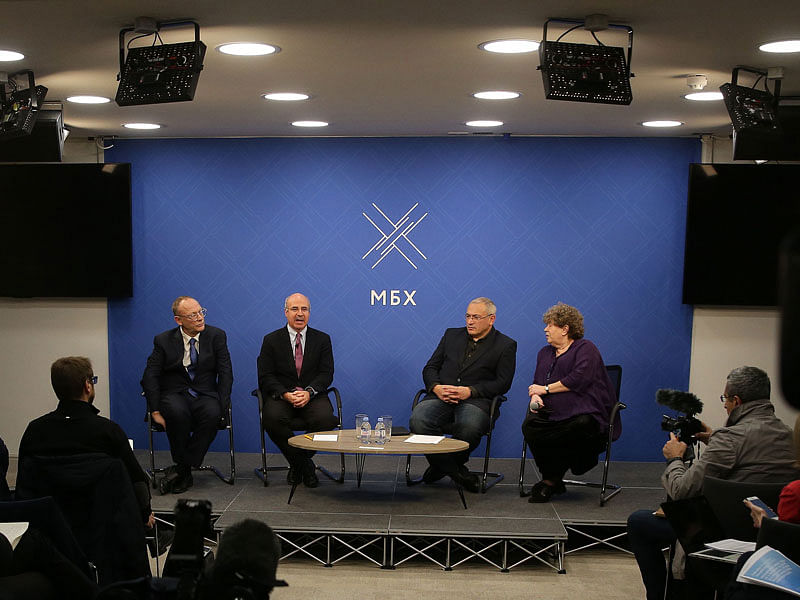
[(753, 446)]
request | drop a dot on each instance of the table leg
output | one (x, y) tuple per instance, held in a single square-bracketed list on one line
[(461, 493), (294, 487), (360, 459)]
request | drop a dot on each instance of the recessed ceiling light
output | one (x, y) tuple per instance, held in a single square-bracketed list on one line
[(142, 125), (9, 55), (510, 46), (309, 124), (88, 99), (781, 46), (248, 49), (704, 96), (484, 123), (496, 95), (286, 96), (662, 123)]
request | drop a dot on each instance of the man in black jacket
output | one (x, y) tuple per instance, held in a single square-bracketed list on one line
[(470, 366), (295, 369), (187, 383)]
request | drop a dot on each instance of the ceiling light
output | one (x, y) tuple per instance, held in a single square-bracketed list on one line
[(483, 123), (142, 125), (496, 95), (286, 96), (704, 96), (9, 55), (781, 46), (88, 99), (248, 49), (510, 46), (309, 124), (662, 123)]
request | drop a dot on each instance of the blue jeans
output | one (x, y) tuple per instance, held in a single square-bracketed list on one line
[(469, 423), (648, 535)]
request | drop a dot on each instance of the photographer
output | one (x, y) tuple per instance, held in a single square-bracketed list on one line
[(754, 445)]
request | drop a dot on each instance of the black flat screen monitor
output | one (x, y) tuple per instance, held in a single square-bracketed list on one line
[(65, 230), (737, 217)]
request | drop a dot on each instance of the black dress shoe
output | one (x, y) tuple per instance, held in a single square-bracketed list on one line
[(432, 474), (294, 476), (467, 480), (182, 484), (310, 475)]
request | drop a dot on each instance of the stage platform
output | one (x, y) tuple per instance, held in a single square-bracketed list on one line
[(388, 523)]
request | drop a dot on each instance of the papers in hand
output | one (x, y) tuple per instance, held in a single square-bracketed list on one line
[(13, 531), (770, 568), (325, 437), (731, 545), (424, 439)]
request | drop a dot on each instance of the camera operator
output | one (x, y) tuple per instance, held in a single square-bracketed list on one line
[(754, 445)]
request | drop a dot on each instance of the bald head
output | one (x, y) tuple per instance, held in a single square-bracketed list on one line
[(297, 308)]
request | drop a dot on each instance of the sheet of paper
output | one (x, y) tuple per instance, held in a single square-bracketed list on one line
[(325, 437), (370, 447), (424, 439), (13, 530), (731, 545)]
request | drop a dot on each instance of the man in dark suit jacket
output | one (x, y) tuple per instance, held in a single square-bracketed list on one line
[(187, 383), (295, 368), (470, 366)]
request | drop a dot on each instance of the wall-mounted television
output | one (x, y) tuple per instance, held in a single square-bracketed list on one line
[(65, 230), (737, 217)]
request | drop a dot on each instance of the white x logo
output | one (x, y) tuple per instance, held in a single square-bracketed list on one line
[(388, 241)]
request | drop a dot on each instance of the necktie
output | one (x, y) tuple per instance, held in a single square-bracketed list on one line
[(192, 358), (298, 353)]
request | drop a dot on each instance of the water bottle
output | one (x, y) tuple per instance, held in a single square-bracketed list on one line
[(380, 432), (365, 431)]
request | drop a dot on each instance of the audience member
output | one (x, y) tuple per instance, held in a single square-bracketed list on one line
[(470, 366), (295, 369), (571, 400), (187, 383), (754, 445)]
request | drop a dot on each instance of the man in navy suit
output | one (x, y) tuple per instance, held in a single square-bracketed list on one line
[(470, 366), (295, 368), (187, 383)]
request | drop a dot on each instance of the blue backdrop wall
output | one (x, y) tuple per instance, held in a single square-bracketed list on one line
[(240, 224)]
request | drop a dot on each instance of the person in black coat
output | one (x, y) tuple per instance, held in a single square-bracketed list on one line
[(470, 366), (295, 369), (187, 383)]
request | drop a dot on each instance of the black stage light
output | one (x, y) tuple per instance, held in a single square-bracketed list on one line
[(19, 108), (583, 72), (159, 73)]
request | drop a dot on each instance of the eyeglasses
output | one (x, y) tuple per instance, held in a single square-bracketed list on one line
[(724, 398), (92, 379), (470, 317), (196, 316), (295, 309)]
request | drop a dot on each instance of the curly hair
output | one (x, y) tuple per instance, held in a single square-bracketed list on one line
[(564, 315)]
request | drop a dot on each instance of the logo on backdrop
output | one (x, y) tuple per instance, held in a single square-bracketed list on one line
[(394, 237)]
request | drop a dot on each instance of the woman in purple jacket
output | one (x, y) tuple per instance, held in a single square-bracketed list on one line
[(571, 400)]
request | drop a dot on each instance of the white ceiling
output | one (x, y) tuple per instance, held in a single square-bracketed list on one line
[(395, 68)]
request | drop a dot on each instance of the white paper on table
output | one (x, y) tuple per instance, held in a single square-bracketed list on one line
[(370, 448), (325, 437), (731, 545), (424, 439)]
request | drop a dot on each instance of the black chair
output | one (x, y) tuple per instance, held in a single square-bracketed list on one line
[(781, 535), (296, 425), (225, 423), (725, 498), (606, 438), (485, 474)]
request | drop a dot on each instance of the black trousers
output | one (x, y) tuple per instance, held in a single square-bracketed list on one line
[(278, 415), (191, 425), (559, 446)]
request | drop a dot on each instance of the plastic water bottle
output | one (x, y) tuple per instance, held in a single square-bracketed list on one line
[(365, 431), (380, 432)]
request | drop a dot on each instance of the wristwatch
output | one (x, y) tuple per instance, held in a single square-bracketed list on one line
[(547, 389)]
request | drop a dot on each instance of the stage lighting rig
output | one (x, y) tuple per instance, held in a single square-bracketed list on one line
[(763, 127), (584, 72), (19, 108), (161, 72)]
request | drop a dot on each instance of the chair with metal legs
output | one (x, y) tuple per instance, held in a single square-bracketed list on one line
[(296, 425), (488, 478), (615, 374)]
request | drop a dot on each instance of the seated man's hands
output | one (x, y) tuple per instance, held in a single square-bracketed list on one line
[(702, 436), (297, 398), (452, 394), (156, 416), (673, 448)]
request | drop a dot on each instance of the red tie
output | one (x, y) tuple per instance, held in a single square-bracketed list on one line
[(298, 353)]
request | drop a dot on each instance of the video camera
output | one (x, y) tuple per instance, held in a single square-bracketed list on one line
[(686, 426)]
